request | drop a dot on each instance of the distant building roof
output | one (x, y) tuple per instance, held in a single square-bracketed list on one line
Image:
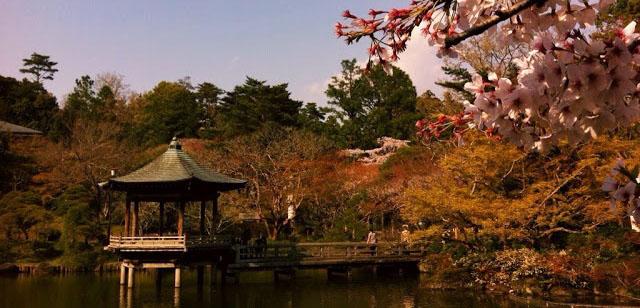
[(175, 169), (9, 128)]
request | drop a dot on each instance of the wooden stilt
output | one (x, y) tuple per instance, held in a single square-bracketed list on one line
[(123, 274), (130, 280), (177, 281)]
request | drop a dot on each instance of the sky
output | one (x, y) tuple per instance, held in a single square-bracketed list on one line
[(147, 41)]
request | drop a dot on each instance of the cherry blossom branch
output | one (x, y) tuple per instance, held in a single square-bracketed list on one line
[(500, 15)]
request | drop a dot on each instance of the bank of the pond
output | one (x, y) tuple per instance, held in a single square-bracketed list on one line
[(49, 268), (525, 272)]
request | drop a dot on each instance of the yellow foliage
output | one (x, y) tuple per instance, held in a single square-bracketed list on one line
[(488, 188)]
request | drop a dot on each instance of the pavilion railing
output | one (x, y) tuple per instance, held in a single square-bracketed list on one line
[(166, 242), (146, 243)]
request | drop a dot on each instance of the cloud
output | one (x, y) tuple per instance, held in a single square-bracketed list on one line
[(314, 92), (419, 60)]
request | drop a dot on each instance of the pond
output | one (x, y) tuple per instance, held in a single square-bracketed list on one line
[(307, 289)]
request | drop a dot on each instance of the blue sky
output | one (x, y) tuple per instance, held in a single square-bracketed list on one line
[(218, 41)]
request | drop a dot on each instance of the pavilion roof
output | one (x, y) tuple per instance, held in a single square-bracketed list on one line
[(175, 166), (10, 128)]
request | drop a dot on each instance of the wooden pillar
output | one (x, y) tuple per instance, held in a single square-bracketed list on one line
[(214, 213), (177, 281), (161, 231), (203, 206), (130, 280), (123, 274), (135, 231), (180, 218), (127, 217), (108, 214)]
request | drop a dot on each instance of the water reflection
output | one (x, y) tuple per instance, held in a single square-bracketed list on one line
[(308, 289)]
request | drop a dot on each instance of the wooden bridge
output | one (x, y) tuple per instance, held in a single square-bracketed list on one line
[(320, 255), (180, 251)]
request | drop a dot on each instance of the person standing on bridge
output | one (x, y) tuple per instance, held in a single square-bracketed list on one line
[(371, 239), (404, 235), (261, 245), (405, 240)]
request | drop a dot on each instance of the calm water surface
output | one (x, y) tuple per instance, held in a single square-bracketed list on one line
[(308, 289)]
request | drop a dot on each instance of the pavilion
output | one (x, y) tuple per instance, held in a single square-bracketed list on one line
[(17, 130), (173, 177)]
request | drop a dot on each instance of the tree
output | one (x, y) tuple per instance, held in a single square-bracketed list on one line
[(21, 212), (279, 164), (89, 103), (40, 66), (373, 105), (168, 110), (27, 103), (320, 120), (208, 96), (429, 105), (570, 88), (255, 104), (115, 82)]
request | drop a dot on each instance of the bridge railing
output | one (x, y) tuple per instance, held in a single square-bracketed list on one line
[(323, 251)]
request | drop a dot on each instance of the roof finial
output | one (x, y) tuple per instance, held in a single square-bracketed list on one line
[(175, 144)]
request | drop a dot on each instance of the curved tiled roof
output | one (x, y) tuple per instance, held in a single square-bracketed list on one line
[(174, 165), (6, 127)]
